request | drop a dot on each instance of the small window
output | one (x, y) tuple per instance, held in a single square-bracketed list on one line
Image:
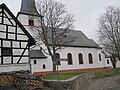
[(69, 58), (108, 61), (44, 66), (99, 57), (7, 51), (80, 57), (90, 58), (58, 58), (35, 61), (31, 21)]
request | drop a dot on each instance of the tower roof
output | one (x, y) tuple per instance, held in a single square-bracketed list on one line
[(28, 7)]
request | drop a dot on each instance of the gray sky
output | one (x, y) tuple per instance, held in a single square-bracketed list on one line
[(86, 12)]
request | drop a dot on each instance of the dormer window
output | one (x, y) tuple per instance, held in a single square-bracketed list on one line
[(31, 21)]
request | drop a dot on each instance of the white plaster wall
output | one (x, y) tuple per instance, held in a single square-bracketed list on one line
[(74, 51), (118, 64), (39, 66), (14, 67), (110, 63), (24, 19)]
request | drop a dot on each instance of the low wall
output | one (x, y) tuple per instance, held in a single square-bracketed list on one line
[(22, 80), (13, 67), (77, 83)]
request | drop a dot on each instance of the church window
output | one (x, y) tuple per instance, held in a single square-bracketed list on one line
[(90, 58), (31, 21), (35, 61), (58, 58), (80, 57), (69, 58), (44, 66), (99, 57), (108, 61)]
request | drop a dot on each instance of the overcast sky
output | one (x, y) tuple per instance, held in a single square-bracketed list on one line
[(86, 12)]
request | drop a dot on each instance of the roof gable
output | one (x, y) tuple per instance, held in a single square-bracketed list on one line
[(8, 20)]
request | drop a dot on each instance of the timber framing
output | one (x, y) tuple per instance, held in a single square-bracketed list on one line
[(15, 41)]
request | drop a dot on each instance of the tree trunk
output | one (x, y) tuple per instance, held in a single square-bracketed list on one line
[(114, 65), (114, 61), (54, 66), (54, 63)]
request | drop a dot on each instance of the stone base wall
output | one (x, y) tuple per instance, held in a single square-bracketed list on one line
[(77, 83), (22, 80)]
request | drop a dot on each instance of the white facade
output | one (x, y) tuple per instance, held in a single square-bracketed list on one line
[(37, 65), (97, 64)]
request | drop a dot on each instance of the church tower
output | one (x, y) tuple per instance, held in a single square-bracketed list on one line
[(28, 7), (29, 15)]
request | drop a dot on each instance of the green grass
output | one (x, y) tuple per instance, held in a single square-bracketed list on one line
[(62, 76), (107, 73), (98, 74)]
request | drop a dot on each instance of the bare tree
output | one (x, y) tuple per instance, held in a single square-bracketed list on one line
[(55, 17), (109, 31)]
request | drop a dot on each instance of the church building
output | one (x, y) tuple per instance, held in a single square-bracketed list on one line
[(82, 54)]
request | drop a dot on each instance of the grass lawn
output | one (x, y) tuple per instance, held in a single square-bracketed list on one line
[(98, 74)]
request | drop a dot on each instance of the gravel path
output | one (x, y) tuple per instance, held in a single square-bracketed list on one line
[(111, 83)]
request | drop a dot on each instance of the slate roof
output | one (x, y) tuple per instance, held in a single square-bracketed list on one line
[(81, 40), (36, 54), (28, 7)]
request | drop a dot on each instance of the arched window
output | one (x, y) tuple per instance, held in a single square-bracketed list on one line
[(90, 58), (80, 57), (44, 66), (58, 58), (108, 61), (31, 21), (35, 61), (99, 57), (69, 58)]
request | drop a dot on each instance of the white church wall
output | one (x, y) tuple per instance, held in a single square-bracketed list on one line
[(75, 52), (108, 64), (102, 62), (38, 67), (75, 66), (23, 19), (118, 64)]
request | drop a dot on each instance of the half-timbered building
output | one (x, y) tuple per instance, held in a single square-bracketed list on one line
[(15, 42)]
